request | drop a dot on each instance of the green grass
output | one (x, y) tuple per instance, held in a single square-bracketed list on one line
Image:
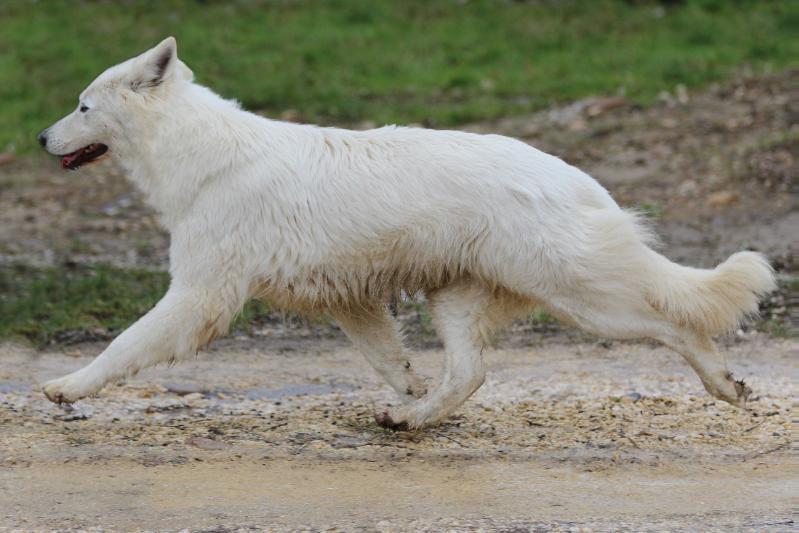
[(651, 209), (440, 63), (54, 304), (42, 304)]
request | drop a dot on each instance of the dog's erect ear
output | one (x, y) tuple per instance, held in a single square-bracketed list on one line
[(183, 71), (156, 65)]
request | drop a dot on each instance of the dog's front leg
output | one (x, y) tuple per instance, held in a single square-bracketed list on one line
[(185, 320), (376, 334)]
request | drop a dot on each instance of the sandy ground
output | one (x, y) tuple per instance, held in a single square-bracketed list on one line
[(278, 434)]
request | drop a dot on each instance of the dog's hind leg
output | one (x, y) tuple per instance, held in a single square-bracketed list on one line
[(710, 365), (376, 334), (626, 314), (459, 312), (616, 286), (185, 320)]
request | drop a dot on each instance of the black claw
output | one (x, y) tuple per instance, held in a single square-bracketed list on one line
[(384, 420), (742, 389)]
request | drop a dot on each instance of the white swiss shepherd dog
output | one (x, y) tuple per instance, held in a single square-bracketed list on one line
[(330, 220)]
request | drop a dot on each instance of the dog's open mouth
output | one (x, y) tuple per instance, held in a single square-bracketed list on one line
[(87, 154)]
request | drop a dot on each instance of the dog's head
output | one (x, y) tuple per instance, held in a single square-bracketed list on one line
[(125, 94)]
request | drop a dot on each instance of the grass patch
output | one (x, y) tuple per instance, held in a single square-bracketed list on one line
[(439, 63), (778, 311), (651, 209), (540, 317), (41, 305), (777, 328), (48, 305)]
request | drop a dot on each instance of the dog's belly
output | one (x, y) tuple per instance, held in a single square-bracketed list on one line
[(341, 284)]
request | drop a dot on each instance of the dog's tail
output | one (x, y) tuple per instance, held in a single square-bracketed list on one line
[(711, 301)]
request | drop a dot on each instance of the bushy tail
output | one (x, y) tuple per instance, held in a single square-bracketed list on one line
[(712, 301)]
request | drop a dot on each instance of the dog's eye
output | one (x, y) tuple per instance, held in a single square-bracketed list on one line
[(84, 108)]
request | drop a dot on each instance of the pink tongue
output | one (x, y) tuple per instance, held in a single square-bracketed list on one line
[(69, 158)]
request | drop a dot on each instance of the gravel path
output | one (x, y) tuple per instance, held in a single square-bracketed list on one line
[(279, 434)]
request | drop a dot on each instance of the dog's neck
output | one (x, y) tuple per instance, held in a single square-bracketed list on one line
[(170, 172)]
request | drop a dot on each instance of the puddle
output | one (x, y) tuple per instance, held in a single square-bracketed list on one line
[(8, 387)]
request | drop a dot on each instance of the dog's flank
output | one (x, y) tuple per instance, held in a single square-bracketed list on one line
[(330, 220)]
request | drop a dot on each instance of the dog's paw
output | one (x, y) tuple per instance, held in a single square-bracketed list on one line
[(385, 420), (742, 392), (731, 390), (64, 390)]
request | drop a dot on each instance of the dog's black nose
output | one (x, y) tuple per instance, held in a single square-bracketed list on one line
[(42, 138)]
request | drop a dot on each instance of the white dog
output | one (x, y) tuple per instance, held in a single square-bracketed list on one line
[(331, 220)]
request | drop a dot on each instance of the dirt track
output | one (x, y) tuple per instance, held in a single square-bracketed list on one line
[(279, 434)]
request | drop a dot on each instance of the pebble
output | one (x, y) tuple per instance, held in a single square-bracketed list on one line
[(193, 397), (631, 397), (721, 198), (600, 105)]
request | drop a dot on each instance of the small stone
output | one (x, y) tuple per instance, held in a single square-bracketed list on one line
[(722, 198), (193, 397), (600, 105), (631, 397)]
